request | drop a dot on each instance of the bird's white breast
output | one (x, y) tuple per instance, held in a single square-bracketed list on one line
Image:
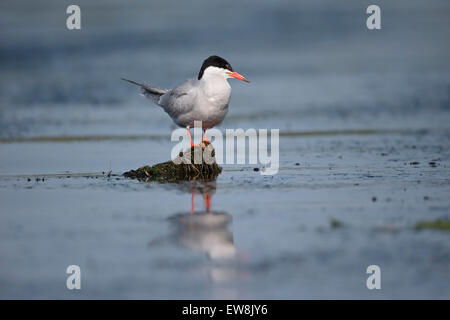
[(212, 104)]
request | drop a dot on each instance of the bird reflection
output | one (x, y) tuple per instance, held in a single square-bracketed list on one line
[(205, 188), (206, 231), (203, 229)]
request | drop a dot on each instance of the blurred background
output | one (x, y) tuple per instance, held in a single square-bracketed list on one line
[(313, 64), (364, 150)]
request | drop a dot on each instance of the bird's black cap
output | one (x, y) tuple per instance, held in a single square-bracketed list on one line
[(214, 61)]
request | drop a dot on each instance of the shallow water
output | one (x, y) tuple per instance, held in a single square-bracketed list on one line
[(361, 116), (134, 240)]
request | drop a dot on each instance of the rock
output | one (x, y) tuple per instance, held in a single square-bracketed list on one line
[(183, 168)]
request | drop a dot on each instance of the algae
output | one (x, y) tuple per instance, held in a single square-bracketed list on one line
[(435, 225), (334, 223), (197, 163)]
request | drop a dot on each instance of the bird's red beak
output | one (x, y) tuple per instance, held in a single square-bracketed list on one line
[(237, 75)]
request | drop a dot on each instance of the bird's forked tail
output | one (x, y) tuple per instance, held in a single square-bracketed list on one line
[(150, 92)]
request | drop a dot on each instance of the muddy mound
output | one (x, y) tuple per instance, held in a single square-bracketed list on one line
[(197, 163)]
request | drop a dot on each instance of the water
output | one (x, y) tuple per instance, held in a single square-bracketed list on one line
[(362, 113)]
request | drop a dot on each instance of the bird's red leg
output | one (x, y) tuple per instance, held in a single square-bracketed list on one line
[(190, 139), (192, 203), (207, 201), (204, 136)]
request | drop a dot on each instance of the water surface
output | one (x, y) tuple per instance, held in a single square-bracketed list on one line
[(364, 151)]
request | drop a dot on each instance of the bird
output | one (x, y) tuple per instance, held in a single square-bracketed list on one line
[(204, 99)]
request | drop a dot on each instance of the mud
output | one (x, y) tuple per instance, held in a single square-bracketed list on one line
[(183, 168)]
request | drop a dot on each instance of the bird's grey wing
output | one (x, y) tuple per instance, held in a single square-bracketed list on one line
[(180, 100)]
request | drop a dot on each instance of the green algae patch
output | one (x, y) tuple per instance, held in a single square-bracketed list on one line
[(198, 163), (434, 225), (334, 223)]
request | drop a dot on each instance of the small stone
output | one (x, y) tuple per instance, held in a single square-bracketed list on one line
[(374, 199)]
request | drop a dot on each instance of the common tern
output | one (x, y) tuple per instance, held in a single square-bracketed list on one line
[(203, 99)]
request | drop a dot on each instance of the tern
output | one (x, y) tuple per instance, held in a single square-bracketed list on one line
[(203, 99)]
